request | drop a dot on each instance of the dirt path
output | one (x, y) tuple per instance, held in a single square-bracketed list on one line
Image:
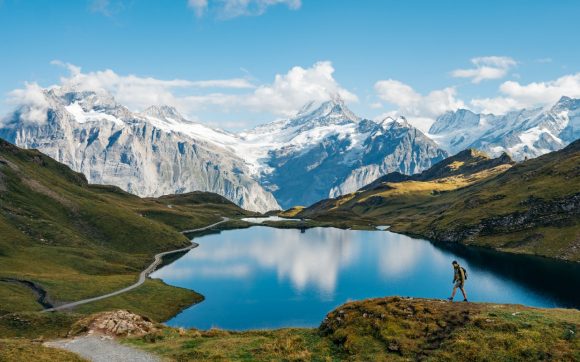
[(102, 349), (142, 276)]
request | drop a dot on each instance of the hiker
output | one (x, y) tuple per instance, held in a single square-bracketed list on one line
[(459, 276)]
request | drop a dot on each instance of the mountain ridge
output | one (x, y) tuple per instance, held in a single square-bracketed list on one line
[(530, 207), (158, 151), (521, 133)]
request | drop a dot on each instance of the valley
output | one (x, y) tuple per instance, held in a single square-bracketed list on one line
[(78, 240), (75, 248), (67, 233), (289, 180)]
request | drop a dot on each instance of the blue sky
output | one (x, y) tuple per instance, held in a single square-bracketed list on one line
[(237, 63)]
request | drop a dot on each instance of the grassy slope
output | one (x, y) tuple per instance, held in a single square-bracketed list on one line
[(391, 329), (78, 240), (480, 208), (18, 350)]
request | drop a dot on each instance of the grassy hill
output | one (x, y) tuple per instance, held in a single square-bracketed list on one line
[(391, 329), (532, 207), (77, 240)]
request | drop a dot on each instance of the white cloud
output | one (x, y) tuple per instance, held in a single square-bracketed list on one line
[(32, 103), (492, 67), (536, 94), (228, 9), (283, 97), (290, 91), (235, 83), (419, 109), (397, 93)]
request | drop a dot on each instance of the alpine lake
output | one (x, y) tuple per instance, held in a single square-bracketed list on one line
[(263, 277)]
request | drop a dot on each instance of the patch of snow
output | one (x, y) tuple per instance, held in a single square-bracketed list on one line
[(81, 116)]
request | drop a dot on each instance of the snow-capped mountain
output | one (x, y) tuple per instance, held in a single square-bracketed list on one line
[(152, 153), (522, 134), (326, 151)]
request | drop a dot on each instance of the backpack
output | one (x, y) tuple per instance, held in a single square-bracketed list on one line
[(464, 272)]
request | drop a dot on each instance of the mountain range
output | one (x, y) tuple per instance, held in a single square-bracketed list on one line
[(530, 207), (324, 151), (522, 134)]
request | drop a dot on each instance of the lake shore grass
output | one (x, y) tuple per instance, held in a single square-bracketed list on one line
[(390, 329)]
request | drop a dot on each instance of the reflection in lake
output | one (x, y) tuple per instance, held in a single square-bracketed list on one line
[(263, 277)]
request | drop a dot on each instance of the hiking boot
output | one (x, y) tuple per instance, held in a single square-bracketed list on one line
[(465, 300), (450, 299)]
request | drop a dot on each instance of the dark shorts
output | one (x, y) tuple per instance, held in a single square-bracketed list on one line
[(458, 284)]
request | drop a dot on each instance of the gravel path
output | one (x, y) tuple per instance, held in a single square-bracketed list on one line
[(102, 349), (99, 348), (143, 274)]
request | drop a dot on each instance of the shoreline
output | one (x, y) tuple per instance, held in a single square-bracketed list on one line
[(158, 258)]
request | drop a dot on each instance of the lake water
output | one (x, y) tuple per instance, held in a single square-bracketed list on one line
[(262, 277)]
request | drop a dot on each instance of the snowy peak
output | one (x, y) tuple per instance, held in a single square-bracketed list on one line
[(333, 111), (399, 122), (522, 134), (566, 104), (163, 112), (452, 120), (88, 100)]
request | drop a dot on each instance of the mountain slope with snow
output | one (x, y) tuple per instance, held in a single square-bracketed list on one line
[(326, 151), (153, 153), (522, 134)]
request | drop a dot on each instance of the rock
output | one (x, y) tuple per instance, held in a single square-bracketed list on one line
[(118, 323)]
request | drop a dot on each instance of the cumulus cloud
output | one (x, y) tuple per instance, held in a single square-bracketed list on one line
[(31, 103), (290, 91), (284, 96), (493, 67), (140, 92), (235, 83), (228, 9), (536, 94), (419, 109)]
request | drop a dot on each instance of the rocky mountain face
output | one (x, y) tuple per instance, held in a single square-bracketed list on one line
[(522, 134), (324, 151), (327, 151), (147, 154)]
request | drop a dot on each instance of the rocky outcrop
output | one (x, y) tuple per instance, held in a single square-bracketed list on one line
[(537, 213), (120, 323)]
